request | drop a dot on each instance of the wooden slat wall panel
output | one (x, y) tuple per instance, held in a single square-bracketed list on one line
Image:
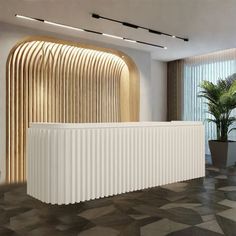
[(55, 82)]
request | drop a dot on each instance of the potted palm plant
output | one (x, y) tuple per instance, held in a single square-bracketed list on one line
[(221, 100)]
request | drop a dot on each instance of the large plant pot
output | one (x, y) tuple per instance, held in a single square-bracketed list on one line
[(223, 154)]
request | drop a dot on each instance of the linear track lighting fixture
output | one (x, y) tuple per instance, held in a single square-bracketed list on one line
[(96, 16), (130, 40), (112, 36), (90, 31), (61, 25)]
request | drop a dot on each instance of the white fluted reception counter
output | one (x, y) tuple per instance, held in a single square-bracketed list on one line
[(68, 163)]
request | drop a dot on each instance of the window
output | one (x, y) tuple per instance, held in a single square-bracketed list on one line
[(209, 67)]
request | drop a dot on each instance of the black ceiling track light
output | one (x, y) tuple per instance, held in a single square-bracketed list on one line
[(91, 31), (96, 16)]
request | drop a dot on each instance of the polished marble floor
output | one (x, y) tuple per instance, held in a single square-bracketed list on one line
[(201, 207)]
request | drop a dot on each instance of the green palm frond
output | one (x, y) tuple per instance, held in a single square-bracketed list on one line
[(231, 130), (211, 120), (230, 80), (231, 120), (221, 100)]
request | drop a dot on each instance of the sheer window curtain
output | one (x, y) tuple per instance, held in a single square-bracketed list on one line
[(209, 67)]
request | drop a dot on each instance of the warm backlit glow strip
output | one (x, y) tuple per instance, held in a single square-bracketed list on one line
[(89, 31)]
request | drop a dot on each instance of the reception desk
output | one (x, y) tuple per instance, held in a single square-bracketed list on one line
[(69, 163)]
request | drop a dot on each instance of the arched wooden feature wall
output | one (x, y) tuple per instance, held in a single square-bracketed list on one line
[(55, 81)]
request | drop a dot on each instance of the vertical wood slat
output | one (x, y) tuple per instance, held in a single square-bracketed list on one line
[(55, 82), (28, 53), (18, 113)]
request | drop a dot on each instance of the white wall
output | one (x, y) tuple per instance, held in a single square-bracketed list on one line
[(152, 79), (159, 90)]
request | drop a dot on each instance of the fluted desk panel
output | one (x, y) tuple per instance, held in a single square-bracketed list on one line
[(68, 163)]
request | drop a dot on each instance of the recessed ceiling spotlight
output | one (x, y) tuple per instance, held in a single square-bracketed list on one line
[(173, 36), (88, 30)]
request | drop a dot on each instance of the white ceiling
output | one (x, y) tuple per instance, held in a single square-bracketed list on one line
[(209, 24)]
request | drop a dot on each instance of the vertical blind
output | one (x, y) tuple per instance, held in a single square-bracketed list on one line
[(209, 67)]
